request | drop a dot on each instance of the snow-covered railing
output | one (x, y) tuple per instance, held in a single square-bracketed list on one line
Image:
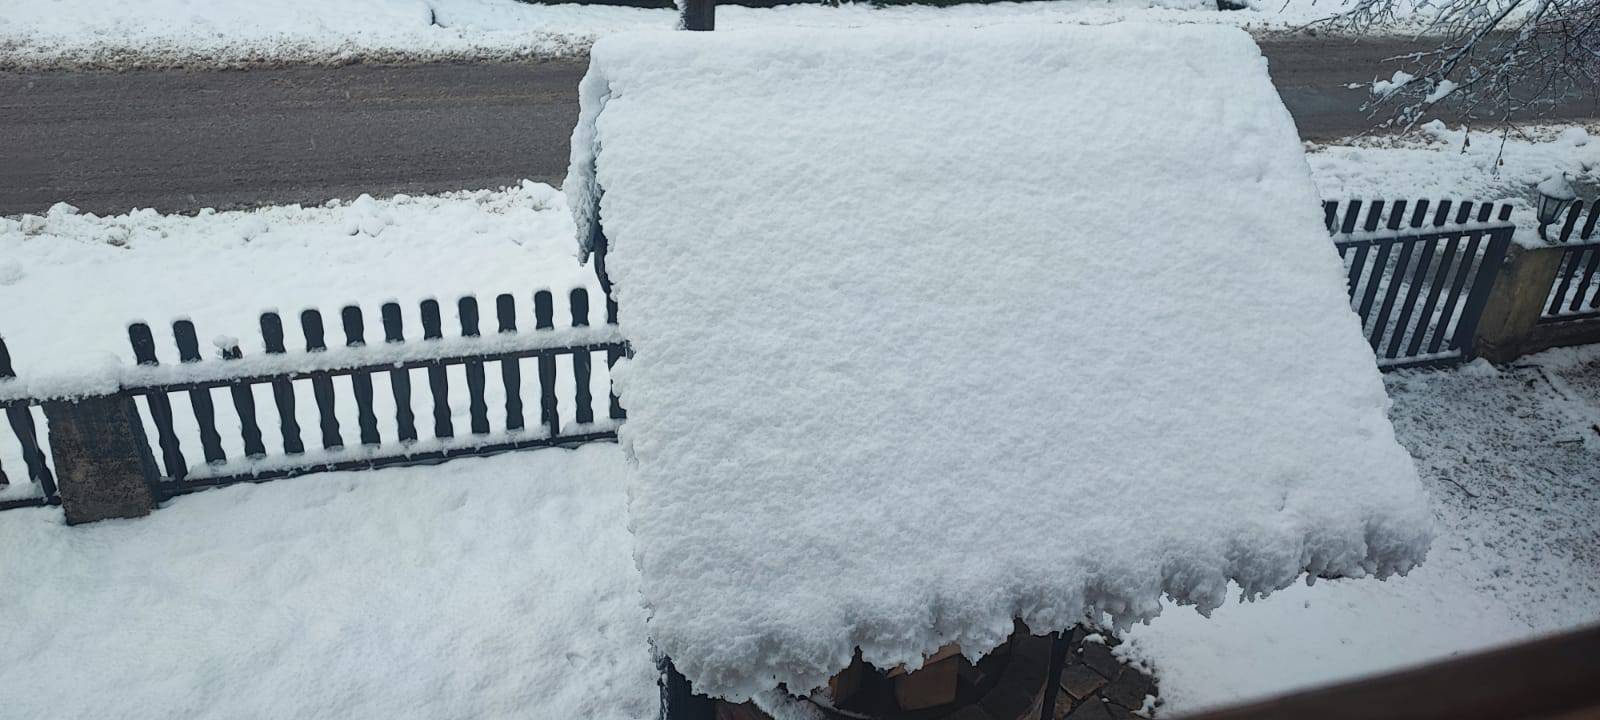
[(1348, 217), (243, 416), (284, 375)]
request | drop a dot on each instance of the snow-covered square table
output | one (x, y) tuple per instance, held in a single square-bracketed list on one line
[(935, 329)]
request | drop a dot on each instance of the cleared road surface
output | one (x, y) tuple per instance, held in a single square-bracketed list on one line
[(181, 140)]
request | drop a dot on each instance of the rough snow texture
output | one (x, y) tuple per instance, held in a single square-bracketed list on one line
[(487, 588), (874, 405)]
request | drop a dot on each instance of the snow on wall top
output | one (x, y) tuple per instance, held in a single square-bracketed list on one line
[(935, 329)]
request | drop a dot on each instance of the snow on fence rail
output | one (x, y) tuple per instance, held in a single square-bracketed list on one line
[(331, 392), (1399, 253), (233, 418), (1347, 217)]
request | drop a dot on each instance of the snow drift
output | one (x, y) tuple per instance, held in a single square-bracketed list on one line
[(937, 329)]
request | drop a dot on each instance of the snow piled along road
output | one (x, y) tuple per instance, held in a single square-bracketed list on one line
[(231, 33)]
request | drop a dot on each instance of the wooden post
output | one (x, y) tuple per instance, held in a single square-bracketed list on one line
[(1521, 288), (103, 462), (699, 15), (679, 701)]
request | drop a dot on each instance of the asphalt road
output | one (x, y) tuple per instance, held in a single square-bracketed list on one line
[(180, 140)]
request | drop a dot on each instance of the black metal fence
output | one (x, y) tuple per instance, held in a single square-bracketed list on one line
[(1420, 295), (1363, 216), (1575, 295), (1572, 229), (30, 449), (355, 425)]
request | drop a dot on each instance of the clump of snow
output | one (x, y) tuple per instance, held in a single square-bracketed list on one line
[(1556, 186), (1439, 162), (1439, 91), (500, 587), (1385, 88), (853, 370), (31, 224)]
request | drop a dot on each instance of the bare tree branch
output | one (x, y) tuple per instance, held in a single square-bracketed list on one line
[(1495, 58)]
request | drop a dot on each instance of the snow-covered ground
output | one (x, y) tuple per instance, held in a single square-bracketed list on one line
[(102, 33), (481, 588), (1512, 459), (505, 587)]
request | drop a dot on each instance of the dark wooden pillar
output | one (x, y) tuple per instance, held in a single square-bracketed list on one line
[(699, 15), (103, 463)]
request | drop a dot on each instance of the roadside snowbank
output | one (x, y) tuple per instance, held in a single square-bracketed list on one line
[(1441, 162), (70, 281), (102, 33), (500, 587)]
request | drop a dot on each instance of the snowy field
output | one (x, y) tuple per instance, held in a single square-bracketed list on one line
[(101, 33)]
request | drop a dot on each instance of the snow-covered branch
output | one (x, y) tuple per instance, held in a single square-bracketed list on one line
[(1495, 58)]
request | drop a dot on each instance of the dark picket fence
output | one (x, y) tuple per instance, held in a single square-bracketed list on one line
[(1572, 229), (1364, 216), (1575, 294), (1420, 272), (372, 443), (1420, 295), (35, 460)]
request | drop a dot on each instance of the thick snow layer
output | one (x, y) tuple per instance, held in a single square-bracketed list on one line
[(104, 33), (1512, 458), (1440, 162), (475, 589), (1121, 365)]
